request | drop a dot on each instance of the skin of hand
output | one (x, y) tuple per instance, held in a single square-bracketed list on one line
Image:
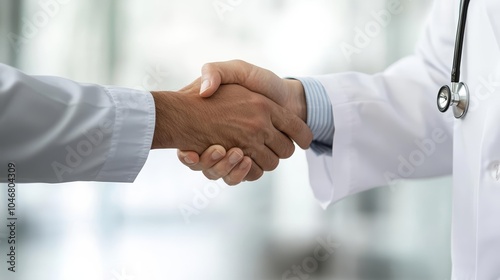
[(233, 117), (287, 93)]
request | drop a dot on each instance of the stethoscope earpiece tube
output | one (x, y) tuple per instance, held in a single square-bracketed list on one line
[(458, 95)]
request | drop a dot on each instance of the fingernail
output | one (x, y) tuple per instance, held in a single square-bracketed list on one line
[(216, 155), (234, 158), (204, 86), (188, 160)]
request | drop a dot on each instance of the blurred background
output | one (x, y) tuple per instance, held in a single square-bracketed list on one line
[(173, 223)]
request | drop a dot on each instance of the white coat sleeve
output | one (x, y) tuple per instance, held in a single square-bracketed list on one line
[(55, 130), (387, 125)]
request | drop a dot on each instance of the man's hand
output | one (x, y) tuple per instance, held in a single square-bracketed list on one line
[(287, 93), (233, 117), (215, 163)]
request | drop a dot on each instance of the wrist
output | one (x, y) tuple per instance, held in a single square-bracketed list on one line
[(165, 104), (181, 121), (297, 99)]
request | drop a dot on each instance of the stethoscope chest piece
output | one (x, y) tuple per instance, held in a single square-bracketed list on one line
[(457, 96)]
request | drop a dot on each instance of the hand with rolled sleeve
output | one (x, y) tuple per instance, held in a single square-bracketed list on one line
[(304, 97), (56, 130)]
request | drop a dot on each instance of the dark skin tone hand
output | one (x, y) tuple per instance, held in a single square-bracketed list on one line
[(285, 92), (233, 117)]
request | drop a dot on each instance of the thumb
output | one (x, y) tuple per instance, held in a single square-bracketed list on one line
[(210, 80), (239, 72)]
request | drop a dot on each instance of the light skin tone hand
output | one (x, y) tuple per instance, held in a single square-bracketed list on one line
[(233, 117), (287, 93)]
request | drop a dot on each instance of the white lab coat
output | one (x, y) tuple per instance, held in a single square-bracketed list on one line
[(387, 126), (55, 130)]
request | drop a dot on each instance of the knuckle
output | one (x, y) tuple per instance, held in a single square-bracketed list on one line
[(259, 102), (258, 132), (255, 175), (221, 170), (264, 134), (211, 174), (255, 128), (195, 167), (272, 164), (243, 73), (238, 62), (241, 64), (288, 150), (305, 137), (231, 181), (204, 164), (207, 67), (309, 137)]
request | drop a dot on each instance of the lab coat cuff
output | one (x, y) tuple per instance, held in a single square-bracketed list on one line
[(327, 186), (319, 115), (132, 134)]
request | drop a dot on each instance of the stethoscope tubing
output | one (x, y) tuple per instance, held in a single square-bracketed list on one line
[(456, 96), (459, 42)]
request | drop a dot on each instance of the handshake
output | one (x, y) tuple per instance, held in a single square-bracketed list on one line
[(236, 106)]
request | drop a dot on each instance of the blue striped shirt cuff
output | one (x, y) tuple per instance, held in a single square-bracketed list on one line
[(319, 115)]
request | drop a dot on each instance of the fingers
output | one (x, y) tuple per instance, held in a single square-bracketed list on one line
[(239, 172), (264, 157), (215, 163), (280, 144), (188, 158), (255, 173), (292, 126), (233, 167), (224, 165), (209, 158)]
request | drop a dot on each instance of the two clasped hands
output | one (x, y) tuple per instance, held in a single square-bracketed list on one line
[(235, 122)]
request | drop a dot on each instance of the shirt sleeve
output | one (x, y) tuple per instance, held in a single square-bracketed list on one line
[(319, 115), (55, 130)]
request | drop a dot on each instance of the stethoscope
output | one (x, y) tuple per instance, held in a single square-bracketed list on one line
[(458, 95)]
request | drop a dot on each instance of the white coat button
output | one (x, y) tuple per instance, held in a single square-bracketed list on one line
[(495, 171)]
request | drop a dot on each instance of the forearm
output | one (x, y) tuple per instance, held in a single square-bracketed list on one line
[(57, 130)]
